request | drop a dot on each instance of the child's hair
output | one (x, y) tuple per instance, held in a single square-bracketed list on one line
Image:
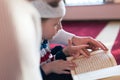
[(44, 19), (54, 3), (53, 9)]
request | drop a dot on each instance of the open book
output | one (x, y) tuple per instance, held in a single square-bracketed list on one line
[(94, 67), (100, 65)]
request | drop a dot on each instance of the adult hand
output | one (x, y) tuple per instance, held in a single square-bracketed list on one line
[(93, 43)]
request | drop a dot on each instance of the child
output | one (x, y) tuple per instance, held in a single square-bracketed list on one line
[(53, 68)]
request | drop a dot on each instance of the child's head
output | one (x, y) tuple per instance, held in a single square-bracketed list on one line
[(51, 17)]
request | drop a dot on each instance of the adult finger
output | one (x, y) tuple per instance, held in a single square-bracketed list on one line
[(104, 47), (69, 42), (96, 43)]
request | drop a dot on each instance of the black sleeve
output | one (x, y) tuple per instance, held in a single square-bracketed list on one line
[(44, 76), (57, 51), (60, 55)]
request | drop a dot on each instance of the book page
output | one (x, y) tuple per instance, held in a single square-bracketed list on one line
[(116, 77), (96, 67), (98, 60), (106, 73)]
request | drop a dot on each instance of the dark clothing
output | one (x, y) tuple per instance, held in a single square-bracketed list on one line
[(57, 51)]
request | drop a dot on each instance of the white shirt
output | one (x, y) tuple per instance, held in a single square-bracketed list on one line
[(59, 38), (19, 41)]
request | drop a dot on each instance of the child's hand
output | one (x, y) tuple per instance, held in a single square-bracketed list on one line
[(59, 67), (75, 51)]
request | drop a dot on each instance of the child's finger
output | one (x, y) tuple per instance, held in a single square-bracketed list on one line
[(79, 47), (85, 53), (75, 55), (77, 50), (83, 46)]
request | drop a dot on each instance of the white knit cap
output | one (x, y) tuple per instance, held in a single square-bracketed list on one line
[(47, 11)]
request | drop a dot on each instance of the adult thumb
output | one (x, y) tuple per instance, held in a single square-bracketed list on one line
[(69, 42)]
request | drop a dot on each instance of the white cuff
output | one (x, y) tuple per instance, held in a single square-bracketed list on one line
[(62, 37)]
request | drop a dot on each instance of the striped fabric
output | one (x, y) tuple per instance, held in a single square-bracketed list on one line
[(45, 53)]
